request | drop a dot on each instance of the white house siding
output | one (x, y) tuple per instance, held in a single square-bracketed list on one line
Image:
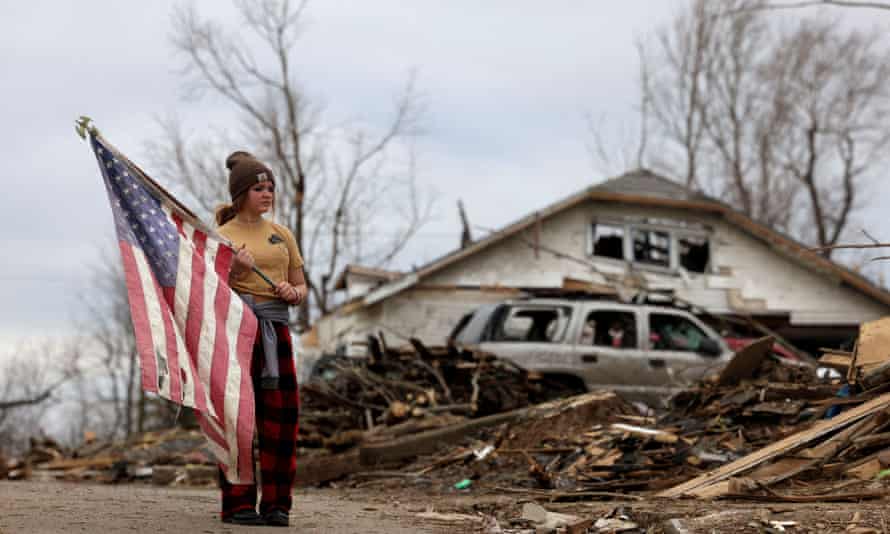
[(428, 315)]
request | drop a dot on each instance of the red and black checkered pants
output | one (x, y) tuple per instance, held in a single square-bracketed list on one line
[(277, 413)]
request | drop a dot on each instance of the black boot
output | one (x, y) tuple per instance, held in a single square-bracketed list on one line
[(276, 518), (244, 517)]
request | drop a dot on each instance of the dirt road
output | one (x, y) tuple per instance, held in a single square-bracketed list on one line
[(37, 508)]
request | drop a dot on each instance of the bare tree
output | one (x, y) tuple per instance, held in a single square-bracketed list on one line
[(837, 93), (30, 382), (782, 122), (675, 90), (336, 181)]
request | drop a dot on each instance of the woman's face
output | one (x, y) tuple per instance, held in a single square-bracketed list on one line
[(260, 198)]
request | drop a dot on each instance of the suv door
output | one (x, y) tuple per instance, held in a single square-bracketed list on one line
[(609, 349), (532, 335), (677, 339)]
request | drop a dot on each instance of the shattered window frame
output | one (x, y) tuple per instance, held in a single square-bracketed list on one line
[(686, 258), (600, 230), (563, 317), (647, 252), (678, 233)]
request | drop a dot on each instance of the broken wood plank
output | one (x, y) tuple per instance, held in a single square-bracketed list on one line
[(873, 347), (781, 447), (658, 435), (95, 463), (745, 362), (427, 442), (829, 497), (836, 361)]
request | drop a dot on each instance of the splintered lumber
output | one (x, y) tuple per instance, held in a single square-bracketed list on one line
[(873, 347), (820, 429), (745, 362), (74, 463), (838, 362), (427, 442), (658, 435)]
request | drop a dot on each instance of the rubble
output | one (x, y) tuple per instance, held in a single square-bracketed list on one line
[(762, 428), (411, 383), (171, 457)]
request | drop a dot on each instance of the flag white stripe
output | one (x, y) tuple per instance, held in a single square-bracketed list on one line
[(208, 324), (180, 315), (156, 324), (207, 337), (233, 379)]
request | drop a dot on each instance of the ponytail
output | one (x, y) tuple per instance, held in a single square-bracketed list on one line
[(224, 214), (227, 212)]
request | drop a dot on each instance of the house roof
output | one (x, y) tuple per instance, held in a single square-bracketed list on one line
[(644, 188), (369, 272), (645, 183)]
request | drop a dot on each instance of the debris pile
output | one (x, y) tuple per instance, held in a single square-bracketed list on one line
[(759, 430), (350, 397), (171, 457)]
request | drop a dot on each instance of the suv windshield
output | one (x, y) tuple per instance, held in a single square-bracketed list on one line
[(545, 324)]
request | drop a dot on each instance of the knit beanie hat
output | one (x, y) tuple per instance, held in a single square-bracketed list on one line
[(245, 171)]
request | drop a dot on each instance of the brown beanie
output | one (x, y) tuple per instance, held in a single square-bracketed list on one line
[(245, 171)]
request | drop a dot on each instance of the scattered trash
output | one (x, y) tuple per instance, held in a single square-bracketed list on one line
[(463, 484), (544, 519)]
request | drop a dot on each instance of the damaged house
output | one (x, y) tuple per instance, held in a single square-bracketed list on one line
[(635, 233)]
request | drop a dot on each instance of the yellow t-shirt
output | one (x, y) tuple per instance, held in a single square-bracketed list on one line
[(274, 250)]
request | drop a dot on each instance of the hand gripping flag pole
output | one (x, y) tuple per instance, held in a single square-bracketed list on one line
[(194, 335)]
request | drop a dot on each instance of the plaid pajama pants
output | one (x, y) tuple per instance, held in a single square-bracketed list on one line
[(277, 412)]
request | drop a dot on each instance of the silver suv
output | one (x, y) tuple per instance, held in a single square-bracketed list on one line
[(642, 352)]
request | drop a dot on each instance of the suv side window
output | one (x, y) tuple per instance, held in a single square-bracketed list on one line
[(534, 324), (673, 332), (610, 328)]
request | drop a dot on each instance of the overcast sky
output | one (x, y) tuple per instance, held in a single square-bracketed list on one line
[(507, 84)]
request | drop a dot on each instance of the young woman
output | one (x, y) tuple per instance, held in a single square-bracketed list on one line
[(272, 249)]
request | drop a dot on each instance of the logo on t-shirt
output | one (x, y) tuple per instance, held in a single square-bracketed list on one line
[(275, 239)]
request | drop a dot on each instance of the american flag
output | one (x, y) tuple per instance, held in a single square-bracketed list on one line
[(193, 334)]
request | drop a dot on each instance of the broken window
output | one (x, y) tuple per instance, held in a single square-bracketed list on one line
[(534, 324), (694, 253), (652, 247), (672, 332), (608, 240), (609, 328)]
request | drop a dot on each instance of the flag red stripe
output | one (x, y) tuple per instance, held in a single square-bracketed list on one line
[(170, 340), (177, 220), (196, 296), (246, 334), (219, 369), (139, 315), (195, 313), (224, 257)]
